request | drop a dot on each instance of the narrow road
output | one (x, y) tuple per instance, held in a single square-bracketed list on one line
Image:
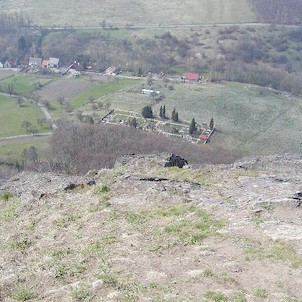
[(162, 25), (26, 138), (47, 115), (40, 105)]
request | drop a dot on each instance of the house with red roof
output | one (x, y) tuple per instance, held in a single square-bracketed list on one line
[(192, 77), (203, 136), (45, 63)]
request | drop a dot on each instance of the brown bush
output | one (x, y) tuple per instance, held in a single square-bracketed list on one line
[(77, 148)]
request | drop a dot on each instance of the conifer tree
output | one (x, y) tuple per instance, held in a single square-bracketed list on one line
[(192, 127), (212, 124), (175, 115)]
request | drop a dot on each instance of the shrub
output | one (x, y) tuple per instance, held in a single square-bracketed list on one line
[(78, 148)]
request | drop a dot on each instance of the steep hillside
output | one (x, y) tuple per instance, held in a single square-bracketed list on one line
[(120, 12), (142, 232)]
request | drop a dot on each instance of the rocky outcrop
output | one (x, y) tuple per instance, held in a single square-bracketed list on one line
[(33, 186)]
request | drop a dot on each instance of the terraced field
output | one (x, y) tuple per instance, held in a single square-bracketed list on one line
[(120, 12)]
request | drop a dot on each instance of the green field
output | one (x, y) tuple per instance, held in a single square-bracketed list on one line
[(13, 152), (98, 90), (12, 117), (250, 119), (121, 12), (23, 84)]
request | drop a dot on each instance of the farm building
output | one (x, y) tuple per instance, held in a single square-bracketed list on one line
[(112, 70), (195, 77), (34, 62), (10, 63), (24, 63), (45, 63), (149, 92), (54, 62)]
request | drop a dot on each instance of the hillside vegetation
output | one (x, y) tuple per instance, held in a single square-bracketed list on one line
[(77, 148), (122, 12), (278, 11)]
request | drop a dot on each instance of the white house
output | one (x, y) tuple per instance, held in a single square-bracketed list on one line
[(34, 62), (54, 62), (149, 92)]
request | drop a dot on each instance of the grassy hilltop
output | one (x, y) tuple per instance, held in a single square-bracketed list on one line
[(120, 12)]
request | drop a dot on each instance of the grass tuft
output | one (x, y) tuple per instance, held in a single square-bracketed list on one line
[(81, 293), (6, 196)]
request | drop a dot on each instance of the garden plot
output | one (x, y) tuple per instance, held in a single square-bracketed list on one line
[(5, 73), (66, 88)]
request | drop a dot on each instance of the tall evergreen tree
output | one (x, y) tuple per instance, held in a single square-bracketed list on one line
[(212, 124), (161, 111), (164, 111), (175, 115), (192, 127)]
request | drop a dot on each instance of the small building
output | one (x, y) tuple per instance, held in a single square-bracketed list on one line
[(24, 63), (45, 63), (74, 73), (34, 62), (203, 136), (149, 92), (194, 77), (1, 65), (54, 62), (10, 63), (112, 70)]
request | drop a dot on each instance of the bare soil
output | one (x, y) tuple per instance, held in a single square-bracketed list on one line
[(6, 72), (66, 88)]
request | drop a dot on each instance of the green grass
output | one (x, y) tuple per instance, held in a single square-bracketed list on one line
[(81, 293), (23, 84), (276, 251), (21, 243), (247, 119), (23, 294), (177, 225), (9, 208), (12, 117), (260, 293), (99, 90), (215, 297), (14, 151), (5, 195)]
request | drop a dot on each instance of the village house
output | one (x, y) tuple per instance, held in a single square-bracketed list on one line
[(35, 62), (1, 65), (10, 63), (54, 62), (24, 63), (112, 70), (45, 63), (191, 77)]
